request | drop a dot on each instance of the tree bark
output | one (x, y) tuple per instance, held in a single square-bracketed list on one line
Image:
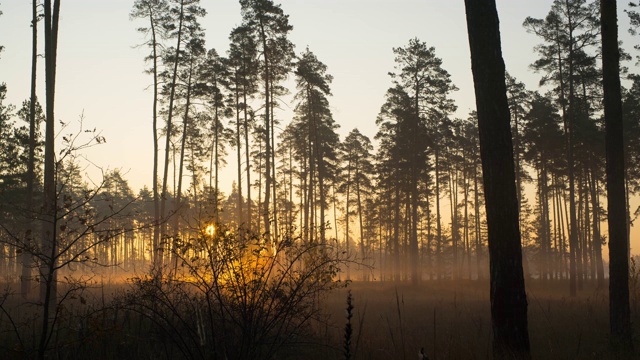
[(619, 310), (508, 297)]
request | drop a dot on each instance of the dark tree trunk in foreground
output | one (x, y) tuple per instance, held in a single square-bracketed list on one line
[(508, 297), (619, 311)]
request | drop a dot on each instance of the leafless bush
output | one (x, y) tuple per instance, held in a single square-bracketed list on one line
[(236, 295)]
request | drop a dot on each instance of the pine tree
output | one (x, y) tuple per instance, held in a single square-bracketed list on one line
[(270, 26), (619, 307), (508, 297)]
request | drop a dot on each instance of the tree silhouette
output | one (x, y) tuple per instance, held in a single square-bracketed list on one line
[(48, 282), (271, 27), (569, 30), (314, 123), (508, 297), (619, 308), (156, 11), (357, 172)]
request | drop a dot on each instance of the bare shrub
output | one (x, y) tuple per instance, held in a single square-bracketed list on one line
[(236, 295)]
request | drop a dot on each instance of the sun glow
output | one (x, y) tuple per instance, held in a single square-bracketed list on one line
[(210, 230)]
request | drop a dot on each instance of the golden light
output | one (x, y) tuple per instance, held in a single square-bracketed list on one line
[(210, 230)]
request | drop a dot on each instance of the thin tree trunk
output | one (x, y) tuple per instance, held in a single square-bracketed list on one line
[(274, 168), (362, 237), (247, 159), (467, 241), (453, 201), (178, 195), (156, 198), (267, 127), (346, 216), (597, 241), (396, 234), (48, 282), (438, 219), (216, 162), (476, 210), (158, 252), (25, 279), (239, 214), (573, 222)]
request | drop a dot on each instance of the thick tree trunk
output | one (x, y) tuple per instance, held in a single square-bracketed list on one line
[(508, 297), (619, 310)]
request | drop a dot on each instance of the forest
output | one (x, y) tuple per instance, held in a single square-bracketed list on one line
[(419, 223)]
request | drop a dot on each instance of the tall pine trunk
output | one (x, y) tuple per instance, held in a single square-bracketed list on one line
[(239, 217), (267, 133), (178, 194), (508, 297), (25, 279), (49, 246), (156, 198), (619, 309), (247, 159), (158, 251)]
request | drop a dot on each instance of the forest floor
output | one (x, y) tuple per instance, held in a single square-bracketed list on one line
[(451, 320)]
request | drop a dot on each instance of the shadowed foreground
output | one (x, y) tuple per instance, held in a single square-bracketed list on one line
[(395, 322), (451, 320)]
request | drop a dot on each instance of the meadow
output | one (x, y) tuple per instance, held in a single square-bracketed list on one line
[(451, 320), (446, 319)]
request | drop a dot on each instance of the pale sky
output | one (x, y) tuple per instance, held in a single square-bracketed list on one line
[(100, 71)]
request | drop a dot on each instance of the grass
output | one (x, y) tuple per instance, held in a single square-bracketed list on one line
[(450, 320)]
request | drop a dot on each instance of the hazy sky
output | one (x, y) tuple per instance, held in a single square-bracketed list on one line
[(100, 71)]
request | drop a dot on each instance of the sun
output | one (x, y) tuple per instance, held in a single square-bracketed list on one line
[(210, 230)]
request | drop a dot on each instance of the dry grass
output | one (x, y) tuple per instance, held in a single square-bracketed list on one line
[(451, 320)]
